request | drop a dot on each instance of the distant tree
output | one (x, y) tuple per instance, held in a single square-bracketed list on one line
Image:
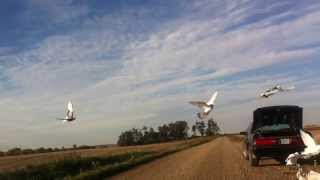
[(84, 147), (131, 137), (194, 130), (14, 151), (163, 132), (153, 136), (183, 129), (126, 139), (137, 136), (173, 131), (41, 150), (178, 130), (2, 153), (74, 146), (212, 128), (144, 130), (149, 136), (201, 127), (27, 151), (145, 135)]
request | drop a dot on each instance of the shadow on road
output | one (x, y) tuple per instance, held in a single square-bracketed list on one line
[(270, 162), (270, 165)]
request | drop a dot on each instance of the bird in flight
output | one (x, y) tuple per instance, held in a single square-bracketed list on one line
[(206, 107), (311, 149), (70, 113), (276, 89)]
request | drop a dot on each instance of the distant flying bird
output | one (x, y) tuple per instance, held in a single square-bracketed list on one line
[(206, 107), (274, 90), (312, 149), (70, 113)]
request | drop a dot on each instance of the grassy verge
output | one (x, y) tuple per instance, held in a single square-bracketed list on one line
[(71, 166), (78, 167)]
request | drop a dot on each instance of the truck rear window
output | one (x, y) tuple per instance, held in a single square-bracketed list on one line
[(275, 120)]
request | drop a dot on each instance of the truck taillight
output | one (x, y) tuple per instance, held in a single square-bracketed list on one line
[(265, 141)]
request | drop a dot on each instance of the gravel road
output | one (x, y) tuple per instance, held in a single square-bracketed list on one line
[(219, 159)]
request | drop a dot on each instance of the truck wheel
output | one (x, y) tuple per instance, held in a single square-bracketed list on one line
[(254, 160)]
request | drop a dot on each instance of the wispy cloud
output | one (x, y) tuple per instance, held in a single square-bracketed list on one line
[(122, 71)]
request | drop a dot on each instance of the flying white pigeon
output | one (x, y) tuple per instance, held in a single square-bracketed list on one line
[(293, 158), (274, 90), (70, 113), (206, 107), (312, 149)]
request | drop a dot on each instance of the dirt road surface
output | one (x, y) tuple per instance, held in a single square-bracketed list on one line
[(219, 159)]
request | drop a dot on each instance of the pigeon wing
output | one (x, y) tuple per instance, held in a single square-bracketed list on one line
[(212, 99), (199, 104), (308, 141), (70, 107), (289, 88)]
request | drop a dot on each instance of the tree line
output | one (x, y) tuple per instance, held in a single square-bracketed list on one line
[(209, 129), (167, 132), (146, 135), (18, 151)]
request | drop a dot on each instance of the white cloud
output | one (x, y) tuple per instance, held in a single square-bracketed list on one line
[(118, 79)]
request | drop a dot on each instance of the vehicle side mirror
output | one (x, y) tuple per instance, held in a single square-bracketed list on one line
[(243, 133)]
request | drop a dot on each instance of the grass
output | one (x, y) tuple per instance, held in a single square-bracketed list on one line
[(67, 167), (99, 167)]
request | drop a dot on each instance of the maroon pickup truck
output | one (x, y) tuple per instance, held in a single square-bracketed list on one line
[(273, 133)]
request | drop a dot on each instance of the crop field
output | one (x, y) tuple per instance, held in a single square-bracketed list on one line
[(93, 163)]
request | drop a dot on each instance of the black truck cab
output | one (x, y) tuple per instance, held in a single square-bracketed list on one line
[(274, 132)]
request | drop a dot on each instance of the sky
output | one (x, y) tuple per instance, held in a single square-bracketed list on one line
[(129, 63)]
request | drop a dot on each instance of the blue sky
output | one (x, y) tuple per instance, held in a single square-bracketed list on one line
[(125, 64)]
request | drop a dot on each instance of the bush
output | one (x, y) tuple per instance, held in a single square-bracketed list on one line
[(27, 151), (84, 147), (14, 151)]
